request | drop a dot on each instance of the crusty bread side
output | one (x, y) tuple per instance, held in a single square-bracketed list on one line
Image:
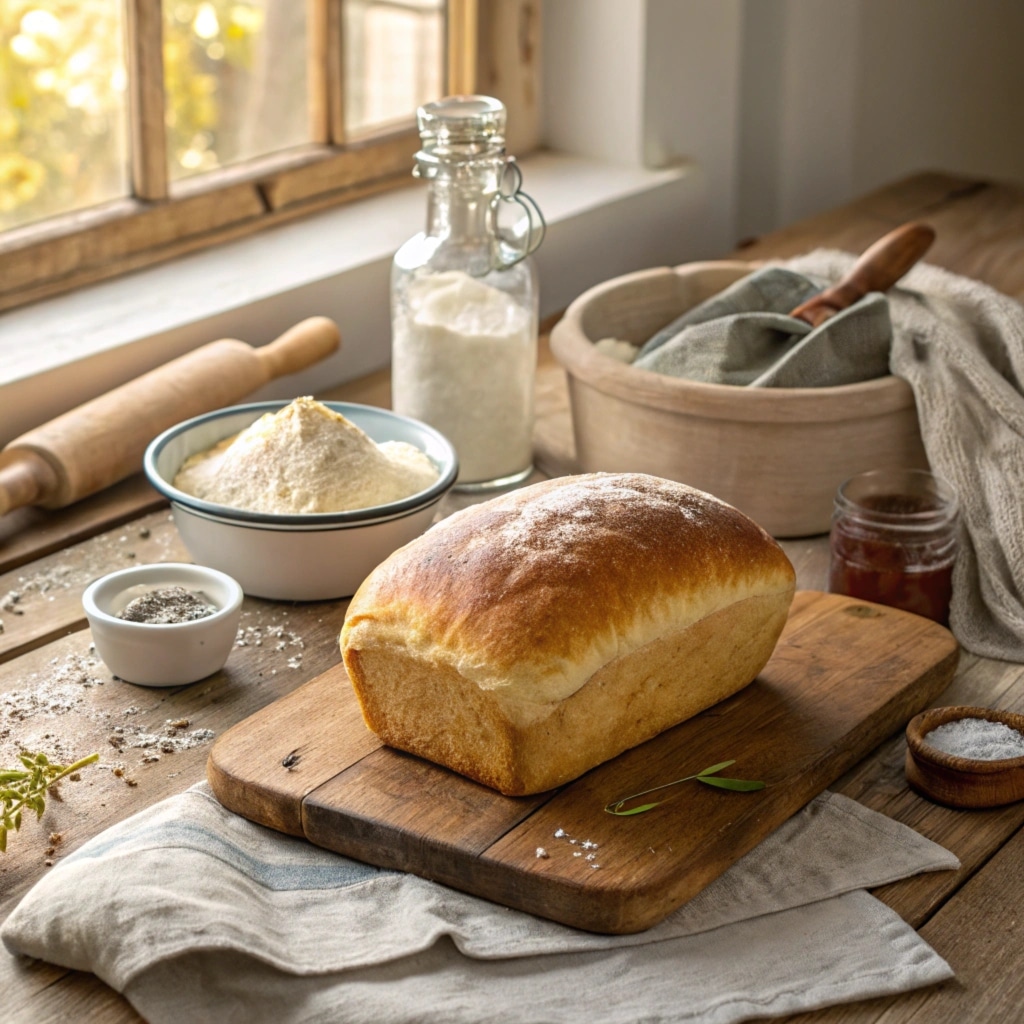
[(524, 640)]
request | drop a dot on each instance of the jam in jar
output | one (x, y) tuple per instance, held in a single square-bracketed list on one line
[(894, 541)]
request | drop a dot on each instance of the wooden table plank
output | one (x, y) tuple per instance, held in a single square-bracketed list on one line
[(28, 533), (42, 600), (979, 227)]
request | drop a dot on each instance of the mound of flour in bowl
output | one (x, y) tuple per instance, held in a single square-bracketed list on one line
[(305, 458)]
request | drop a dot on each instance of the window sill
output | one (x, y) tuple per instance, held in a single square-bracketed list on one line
[(603, 220)]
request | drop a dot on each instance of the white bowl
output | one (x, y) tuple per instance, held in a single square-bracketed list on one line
[(163, 654), (302, 557)]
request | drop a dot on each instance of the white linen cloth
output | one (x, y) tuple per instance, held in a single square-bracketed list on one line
[(196, 914)]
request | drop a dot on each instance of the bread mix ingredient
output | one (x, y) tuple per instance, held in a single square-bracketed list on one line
[(305, 458), (464, 360), (167, 605)]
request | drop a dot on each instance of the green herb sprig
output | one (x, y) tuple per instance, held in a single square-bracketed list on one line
[(709, 776), (26, 787)]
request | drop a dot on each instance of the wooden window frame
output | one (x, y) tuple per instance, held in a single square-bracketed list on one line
[(491, 46)]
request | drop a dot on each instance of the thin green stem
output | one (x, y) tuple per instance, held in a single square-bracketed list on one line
[(704, 775)]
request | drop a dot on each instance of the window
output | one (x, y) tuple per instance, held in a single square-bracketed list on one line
[(132, 131)]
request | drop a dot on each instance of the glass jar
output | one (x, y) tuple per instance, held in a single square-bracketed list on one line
[(464, 296), (894, 541)]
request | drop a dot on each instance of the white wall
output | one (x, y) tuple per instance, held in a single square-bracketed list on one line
[(787, 106), (842, 96), (653, 83)]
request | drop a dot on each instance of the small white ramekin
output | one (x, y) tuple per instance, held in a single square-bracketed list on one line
[(163, 654)]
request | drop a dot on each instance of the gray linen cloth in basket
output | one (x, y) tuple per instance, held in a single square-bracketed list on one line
[(196, 914), (744, 337)]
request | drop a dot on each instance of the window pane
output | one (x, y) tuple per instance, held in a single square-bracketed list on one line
[(63, 120), (236, 80), (393, 58)]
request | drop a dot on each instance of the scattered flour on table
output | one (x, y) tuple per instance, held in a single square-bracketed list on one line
[(93, 558), (305, 458), (173, 737), (273, 638), (59, 691), (586, 849)]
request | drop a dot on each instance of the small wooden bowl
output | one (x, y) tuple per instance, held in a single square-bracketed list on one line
[(777, 454), (962, 781)]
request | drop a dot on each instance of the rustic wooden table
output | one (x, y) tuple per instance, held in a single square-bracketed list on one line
[(55, 694)]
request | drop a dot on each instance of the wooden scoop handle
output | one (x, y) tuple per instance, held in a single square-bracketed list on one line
[(103, 441), (878, 269)]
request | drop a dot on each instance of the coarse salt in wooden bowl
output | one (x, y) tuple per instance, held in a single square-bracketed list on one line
[(777, 454), (962, 781)]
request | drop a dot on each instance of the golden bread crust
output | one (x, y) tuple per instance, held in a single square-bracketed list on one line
[(526, 639)]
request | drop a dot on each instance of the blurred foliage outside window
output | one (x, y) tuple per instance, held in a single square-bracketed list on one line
[(63, 129), (235, 79)]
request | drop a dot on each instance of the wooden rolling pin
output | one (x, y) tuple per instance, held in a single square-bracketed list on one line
[(103, 441), (877, 270)]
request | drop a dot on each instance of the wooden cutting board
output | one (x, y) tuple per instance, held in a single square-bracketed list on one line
[(844, 676)]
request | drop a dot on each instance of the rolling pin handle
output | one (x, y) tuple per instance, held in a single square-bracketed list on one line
[(25, 479), (299, 347)]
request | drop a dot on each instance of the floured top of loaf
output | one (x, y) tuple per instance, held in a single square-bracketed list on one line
[(529, 593), (305, 458)]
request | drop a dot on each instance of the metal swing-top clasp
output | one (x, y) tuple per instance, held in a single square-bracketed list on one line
[(516, 242)]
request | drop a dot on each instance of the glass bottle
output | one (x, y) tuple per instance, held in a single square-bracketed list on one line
[(464, 296), (894, 541)]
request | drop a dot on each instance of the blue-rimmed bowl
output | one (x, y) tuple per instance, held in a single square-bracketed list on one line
[(303, 557)]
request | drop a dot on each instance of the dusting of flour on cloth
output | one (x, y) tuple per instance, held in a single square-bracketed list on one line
[(195, 913)]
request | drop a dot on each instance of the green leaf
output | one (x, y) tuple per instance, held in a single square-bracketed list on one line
[(706, 775), (3, 839), (737, 785)]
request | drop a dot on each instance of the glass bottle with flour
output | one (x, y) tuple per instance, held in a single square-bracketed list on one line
[(464, 296)]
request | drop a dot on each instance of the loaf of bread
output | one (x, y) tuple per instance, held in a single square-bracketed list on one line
[(526, 639)]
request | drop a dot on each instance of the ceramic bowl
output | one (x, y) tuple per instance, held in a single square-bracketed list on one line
[(311, 557), (777, 454), (163, 654), (962, 781)]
